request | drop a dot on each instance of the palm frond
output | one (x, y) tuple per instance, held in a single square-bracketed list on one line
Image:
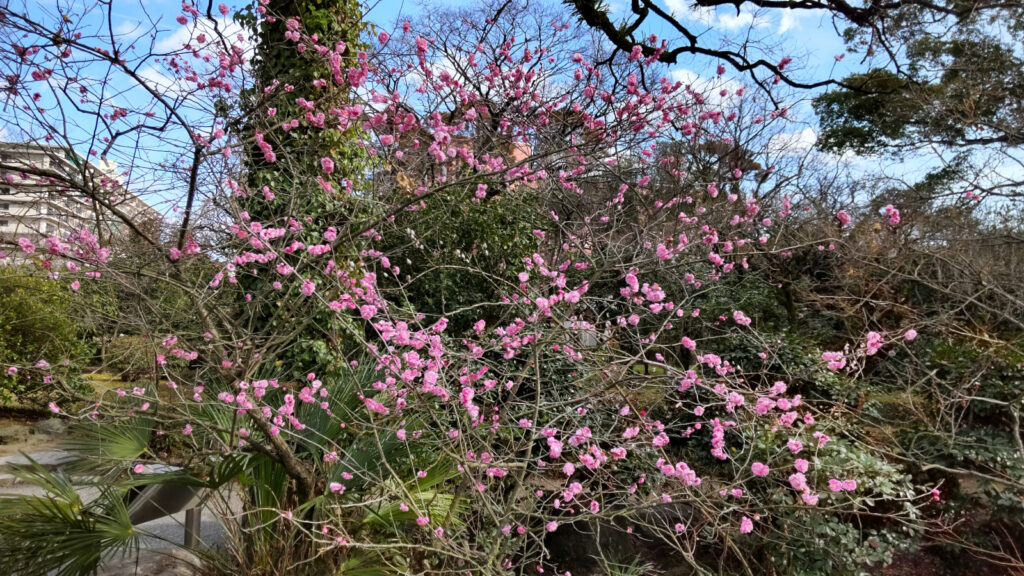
[(99, 445), (365, 565), (343, 398), (635, 568), (59, 534), (440, 472), (438, 506), (419, 495)]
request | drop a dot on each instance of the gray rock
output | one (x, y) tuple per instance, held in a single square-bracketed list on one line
[(152, 563), (45, 458), (52, 427), (13, 434)]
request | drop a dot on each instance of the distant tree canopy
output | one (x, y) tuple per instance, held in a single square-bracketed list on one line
[(961, 91)]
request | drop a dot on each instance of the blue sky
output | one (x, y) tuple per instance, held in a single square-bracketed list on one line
[(810, 40), (807, 37)]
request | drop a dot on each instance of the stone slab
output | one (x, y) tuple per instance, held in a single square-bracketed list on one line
[(45, 458)]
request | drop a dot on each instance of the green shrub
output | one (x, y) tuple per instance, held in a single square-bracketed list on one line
[(36, 325), (131, 358)]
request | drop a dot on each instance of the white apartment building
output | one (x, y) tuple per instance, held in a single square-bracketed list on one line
[(41, 193)]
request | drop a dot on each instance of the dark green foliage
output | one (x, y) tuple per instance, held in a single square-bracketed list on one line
[(868, 121), (959, 89), (132, 358), (981, 438), (36, 324), (312, 339), (456, 254), (278, 63)]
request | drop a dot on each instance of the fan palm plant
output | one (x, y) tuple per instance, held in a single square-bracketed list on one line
[(59, 532)]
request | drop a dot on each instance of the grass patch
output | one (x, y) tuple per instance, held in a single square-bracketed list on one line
[(647, 370), (103, 382)]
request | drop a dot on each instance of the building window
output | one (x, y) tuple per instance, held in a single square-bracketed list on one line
[(5, 191), (4, 223), (5, 207)]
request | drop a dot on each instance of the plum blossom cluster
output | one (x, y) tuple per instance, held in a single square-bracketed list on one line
[(547, 411)]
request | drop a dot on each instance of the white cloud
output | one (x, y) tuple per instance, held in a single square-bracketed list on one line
[(682, 9), (710, 88), (736, 22), (685, 76), (710, 17), (126, 27), (174, 41), (793, 143), (617, 7), (163, 83), (787, 22)]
